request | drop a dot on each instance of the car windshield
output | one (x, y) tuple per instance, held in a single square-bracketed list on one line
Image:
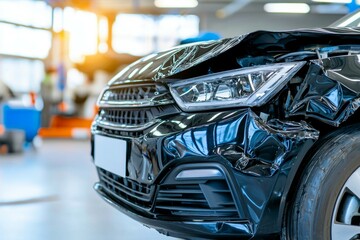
[(351, 20)]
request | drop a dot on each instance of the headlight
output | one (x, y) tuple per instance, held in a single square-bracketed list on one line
[(252, 86)]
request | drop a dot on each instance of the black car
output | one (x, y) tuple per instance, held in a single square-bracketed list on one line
[(256, 136)]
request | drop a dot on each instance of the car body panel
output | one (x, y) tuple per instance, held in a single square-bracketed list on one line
[(330, 92), (259, 151), (199, 59)]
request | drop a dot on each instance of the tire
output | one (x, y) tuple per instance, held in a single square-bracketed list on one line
[(315, 212)]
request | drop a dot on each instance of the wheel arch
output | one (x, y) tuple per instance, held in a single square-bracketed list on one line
[(298, 170)]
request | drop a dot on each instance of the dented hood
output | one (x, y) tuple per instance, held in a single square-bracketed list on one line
[(175, 60), (179, 61)]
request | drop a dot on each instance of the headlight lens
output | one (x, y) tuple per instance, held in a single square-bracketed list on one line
[(251, 86)]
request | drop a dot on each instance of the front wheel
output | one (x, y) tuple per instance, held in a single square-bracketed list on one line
[(327, 201), (346, 217)]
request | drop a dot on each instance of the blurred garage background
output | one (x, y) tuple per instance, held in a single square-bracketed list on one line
[(55, 58)]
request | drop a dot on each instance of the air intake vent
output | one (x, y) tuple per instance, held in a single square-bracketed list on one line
[(132, 119), (197, 201), (126, 117), (125, 190), (117, 133), (138, 93), (134, 107)]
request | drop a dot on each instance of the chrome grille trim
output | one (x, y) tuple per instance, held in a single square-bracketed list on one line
[(134, 107), (139, 95), (115, 132), (124, 127), (126, 119), (135, 194), (129, 117)]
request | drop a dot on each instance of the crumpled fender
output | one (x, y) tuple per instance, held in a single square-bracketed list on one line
[(330, 92)]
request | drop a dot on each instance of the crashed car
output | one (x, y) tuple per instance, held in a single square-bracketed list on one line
[(255, 136)]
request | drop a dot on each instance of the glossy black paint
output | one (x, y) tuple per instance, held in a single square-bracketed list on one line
[(215, 56), (260, 155), (250, 145), (181, 229), (330, 91)]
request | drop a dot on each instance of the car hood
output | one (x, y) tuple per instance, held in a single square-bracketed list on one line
[(213, 56)]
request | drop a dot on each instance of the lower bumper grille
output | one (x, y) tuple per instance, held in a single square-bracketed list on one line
[(125, 190), (174, 200), (198, 201)]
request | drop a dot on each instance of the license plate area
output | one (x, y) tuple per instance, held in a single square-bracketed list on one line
[(111, 154)]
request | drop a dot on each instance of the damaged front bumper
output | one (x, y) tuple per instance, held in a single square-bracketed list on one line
[(213, 229), (224, 173), (209, 175)]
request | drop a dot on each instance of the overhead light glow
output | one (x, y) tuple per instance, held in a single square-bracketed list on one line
[(287, 8), (333, 1), (176, 3)]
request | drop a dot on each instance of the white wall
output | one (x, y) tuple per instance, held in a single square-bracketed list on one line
[(248, 22)]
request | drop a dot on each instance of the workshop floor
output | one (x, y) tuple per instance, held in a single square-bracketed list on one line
[(47, 194)]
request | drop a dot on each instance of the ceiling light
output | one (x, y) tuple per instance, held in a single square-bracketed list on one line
[(333, 1), (287, 8), (176, 3)]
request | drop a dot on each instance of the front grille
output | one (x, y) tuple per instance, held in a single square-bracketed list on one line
[(209, 200), (126, 117), (125, 190), (134, 107), (124, 121), (131, 93), (137, 95), (116, 133), (212, 199)]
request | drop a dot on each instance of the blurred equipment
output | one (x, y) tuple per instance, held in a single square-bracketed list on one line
[(67, 127), (12, 141), (25, 118), (50, 95), (5, 92), (21, 124)]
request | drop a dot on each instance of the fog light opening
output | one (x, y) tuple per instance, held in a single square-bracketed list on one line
[(199, 173)]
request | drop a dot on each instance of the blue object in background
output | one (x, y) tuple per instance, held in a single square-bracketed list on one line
[(353, 6), (62, 77), (22, 118), (206, 36)]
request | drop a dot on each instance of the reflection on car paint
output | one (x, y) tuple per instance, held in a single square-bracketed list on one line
[(255, 48), (262, 147), (251, 145), (330, 91)]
